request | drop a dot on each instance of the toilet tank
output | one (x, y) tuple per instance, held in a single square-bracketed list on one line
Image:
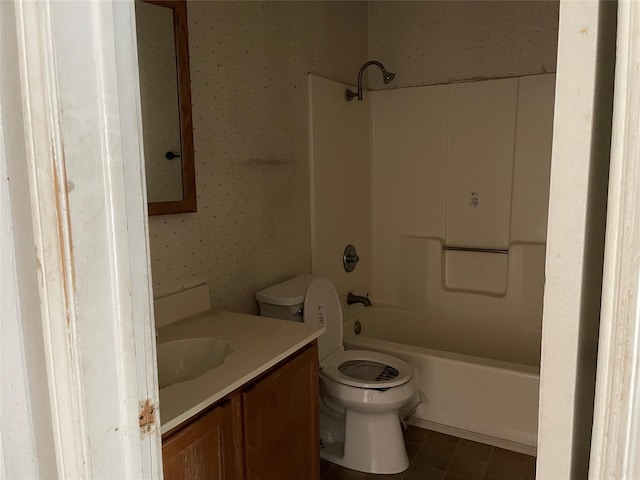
[(285, 299)]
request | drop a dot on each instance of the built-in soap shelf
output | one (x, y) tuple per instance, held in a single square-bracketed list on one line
[(476, 270), (439, 278), (487, 270)]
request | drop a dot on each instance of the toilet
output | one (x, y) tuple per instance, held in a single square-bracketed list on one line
[(361, 392)]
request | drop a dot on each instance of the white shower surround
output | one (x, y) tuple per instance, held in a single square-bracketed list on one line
[(492, 400), (399, 161)]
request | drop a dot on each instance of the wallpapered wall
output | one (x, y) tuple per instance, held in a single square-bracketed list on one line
[(249, 65), (434, 42), (249, 62)]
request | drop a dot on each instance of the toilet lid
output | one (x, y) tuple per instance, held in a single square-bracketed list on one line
[(322, 306), (364, 369)]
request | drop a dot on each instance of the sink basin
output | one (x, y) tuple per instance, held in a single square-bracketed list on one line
[(183, 360)]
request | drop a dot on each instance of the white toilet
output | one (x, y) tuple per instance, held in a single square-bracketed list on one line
[(361, 392)]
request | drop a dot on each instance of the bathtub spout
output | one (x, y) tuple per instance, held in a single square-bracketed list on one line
[(351, 299)]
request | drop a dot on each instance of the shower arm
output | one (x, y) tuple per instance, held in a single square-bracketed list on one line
[(351, 93)]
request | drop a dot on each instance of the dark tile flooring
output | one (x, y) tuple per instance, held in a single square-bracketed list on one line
[(436, 456)]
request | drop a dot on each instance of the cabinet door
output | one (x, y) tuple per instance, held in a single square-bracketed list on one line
[(280, 422), (207, 448)]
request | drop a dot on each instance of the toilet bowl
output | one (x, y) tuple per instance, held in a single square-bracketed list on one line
[(361, 391)]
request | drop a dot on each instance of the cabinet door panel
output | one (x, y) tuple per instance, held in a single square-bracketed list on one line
[(280, 422), (204, 449)]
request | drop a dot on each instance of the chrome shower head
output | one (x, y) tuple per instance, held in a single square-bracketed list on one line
[(387, 77)]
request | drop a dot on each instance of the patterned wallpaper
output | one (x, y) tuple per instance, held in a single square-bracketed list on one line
[(158, 86), (432, 42), (249, 65), (249, 62)]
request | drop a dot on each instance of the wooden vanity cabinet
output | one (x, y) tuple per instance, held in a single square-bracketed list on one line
[(267, 429), (280, 422), (209, 447)]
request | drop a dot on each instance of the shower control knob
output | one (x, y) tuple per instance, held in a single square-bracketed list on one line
[(350, 258)]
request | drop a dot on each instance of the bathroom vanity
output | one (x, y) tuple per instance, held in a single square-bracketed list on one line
[(253, 417)]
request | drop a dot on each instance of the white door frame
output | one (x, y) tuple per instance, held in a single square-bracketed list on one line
[(616, 429), (575, 238), (568, 352), (82, 123)]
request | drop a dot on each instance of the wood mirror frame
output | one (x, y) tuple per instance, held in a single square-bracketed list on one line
[(188, 202)]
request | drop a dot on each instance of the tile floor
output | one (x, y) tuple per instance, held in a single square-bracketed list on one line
[(436, 456)]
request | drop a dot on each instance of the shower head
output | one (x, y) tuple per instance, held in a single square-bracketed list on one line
[(387, 77)]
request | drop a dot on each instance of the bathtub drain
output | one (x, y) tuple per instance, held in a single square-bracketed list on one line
[(357, 327)]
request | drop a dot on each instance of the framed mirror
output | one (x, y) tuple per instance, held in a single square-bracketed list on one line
[(165, 92)]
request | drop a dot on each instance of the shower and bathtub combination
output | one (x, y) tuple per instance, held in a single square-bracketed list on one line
[(444, 191)]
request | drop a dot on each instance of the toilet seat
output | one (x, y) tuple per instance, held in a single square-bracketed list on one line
[(377, 370), (322, 307)]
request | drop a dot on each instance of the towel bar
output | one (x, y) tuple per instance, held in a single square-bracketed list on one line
[(473, 249)]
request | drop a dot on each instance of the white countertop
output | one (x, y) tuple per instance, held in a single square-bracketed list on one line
[(257, 343)]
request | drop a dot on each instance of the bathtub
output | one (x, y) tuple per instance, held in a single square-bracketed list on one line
[(475, 385)]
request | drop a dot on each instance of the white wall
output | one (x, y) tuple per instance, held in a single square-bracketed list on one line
[(399, 203), (433, 147), (340, 146), (410, 146)]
